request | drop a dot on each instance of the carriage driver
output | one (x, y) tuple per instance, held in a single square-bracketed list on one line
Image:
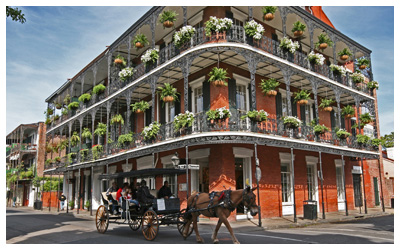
[(143, 193), (165, 191)]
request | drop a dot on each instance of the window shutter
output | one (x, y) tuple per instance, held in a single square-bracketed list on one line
[(278, 104), (190, 108), (148, 116), (206, 96), (342, 122), (303, 113), (294, 107), (177, 106), (250, 97), (333, 121), (313, 111), (132, 121), (229, 14), (232, 93), (353, 130)]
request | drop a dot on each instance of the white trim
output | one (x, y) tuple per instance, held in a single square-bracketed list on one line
[(311, 159), (127, 167), (112, 169), (166, 159), (86, 172), (338, 163), (237, 14), (242, 152), (196, 18), (144, 162), (198, 82), (199, 153), (286, 157)]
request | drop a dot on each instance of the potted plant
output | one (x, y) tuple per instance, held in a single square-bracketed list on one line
[(99, 89), (344, 54), (291, 122), (315, 58), (48, 162), (183, 35), (125, 139), (117, 119), (126, 74), (140, 41), (57, 159), (256, 115), (67, 99), (218, 76), (75, 139), (58, 105), (71, 204), (254, 30), (217, 25), (167, 18), (302, 97), (100, 130), (48, 121), (323, 42), (373, 85), (83, 152), (184, 120), (326, 104), (64, 111), (376, 142), (86, 134), (269, 12), (320, 129), (87, 204), (348, 111), (268, 86), (298, 28), (73, 105), (342, 134), (119, 61), (55, 118), (363, 139), (168, 93), (218, 114), (140, 107), (366, 118), (96, 151), (85, 98), (150, 56), (49, 148), (362, 63), (287, 45), (338, 70), (49, 111), (357, 77), (150, 132)]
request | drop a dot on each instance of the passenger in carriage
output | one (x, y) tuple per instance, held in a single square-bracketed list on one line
[(112, 189), (121, 191), (165, 191), (129, 197), (143, 193)]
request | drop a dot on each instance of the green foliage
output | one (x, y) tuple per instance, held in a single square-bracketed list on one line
[(117, 119), (220, 113), (348, 110), (217, 25), (323, 38), (388, 140), (298, 26), (168, 90), (70, 156), (101, 129), (71, 204), (87, 204), (96, 151), (15, 14), (122, 59), (268, 85), (48, 162), (64, 111), (363, 139), (269, 9), (320, 129), (75, 139), (256, 115), (150, 132), (363, 61), (183, 120), (86, 134), (67, 99), (326, 103), (302, 95), (218, 74), (122, 139), (345, 51), (291, 121), (47, 121), (98, 89), (366, 118), (83, 152), (84, 98), (376, 142), (140, 38), (342, 134), (168, 15), (373, 85), (48, 112), (142, 106), (73, 105)]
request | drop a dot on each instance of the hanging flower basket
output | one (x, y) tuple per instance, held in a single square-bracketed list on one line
[(168, 98), (218, 83), (362, 67), (323, 46), (272, 93), (298, 28), (167, 18), (298, 33), (168, 24), (302, 102), (269, 12), (269, 16), (342, 134), (139, 45), (328, 109), (344, 57)]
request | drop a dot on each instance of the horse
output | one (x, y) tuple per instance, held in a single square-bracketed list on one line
[(220, 205)]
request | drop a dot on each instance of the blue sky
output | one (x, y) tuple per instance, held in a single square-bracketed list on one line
[(57, 42)]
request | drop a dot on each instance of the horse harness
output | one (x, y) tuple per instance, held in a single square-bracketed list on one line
[(224, 200)]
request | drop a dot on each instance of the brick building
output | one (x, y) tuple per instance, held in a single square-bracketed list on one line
[(293, 160)]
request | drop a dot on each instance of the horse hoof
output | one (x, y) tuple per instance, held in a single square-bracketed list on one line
[(237, 242), (216, 241), (200, 241)]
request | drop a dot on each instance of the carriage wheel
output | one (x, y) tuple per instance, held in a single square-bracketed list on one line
[(102, 219), (134, 223), (150, 225), (182, 222)]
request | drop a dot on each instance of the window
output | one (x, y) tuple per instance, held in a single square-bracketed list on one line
[(285, 108), (170, 111), (311, 185), (172, 180), (198, 100), (308, 113), (241, 99), (339, 183), (286, 182)]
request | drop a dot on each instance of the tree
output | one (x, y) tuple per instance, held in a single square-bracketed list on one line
[(388, 140), (15, 14)]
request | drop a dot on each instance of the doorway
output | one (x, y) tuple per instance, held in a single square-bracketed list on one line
[(240, 182), (357, 190)]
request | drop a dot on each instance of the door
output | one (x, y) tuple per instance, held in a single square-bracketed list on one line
[(312, 183), (376, 191), (239, 169), (357, 190), (287, 190)]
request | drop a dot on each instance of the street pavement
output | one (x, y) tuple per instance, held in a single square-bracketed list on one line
[(25, 225)]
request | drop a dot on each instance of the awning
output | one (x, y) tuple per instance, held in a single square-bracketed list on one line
[(144, 173)]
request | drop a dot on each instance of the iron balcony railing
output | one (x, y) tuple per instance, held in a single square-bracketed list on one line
[(201, 124)]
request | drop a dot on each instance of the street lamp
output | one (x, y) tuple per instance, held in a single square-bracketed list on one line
[(175, 160)]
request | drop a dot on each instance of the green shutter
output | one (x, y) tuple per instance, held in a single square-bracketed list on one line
[(206, 96), (278, 104), (303, 113), (190, 99), (333, 120), (294, 106)]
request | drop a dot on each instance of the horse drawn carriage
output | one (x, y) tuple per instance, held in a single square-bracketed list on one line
[(148, 216)]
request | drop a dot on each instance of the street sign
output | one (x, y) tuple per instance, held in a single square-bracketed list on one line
[(258, 174), (190, 166)]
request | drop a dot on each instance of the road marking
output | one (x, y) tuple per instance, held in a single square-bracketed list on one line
[(356, 235), (267, 236)]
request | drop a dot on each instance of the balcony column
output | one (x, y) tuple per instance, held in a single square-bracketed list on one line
[(52, 142), (80, 134), (69, 136), (153, 97), (286, 76), (184, 8), (94, 69), (108, 106), (344, 185), (129, 49), (315, 85), (310, 27), (185, 67), (338, 93), (82, 78), (334, 40), (252, 62), (153, 21), (250, 13), (283, 11)]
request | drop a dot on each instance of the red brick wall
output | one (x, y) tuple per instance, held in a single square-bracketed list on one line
[(41, 149), (51, 198)]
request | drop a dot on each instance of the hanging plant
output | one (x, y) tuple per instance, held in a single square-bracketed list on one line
[(344, 54), (320, 129), (298, 28), (83, 152), (183, 120), (366, 118), (256, 115), (316, 58), (348, 111), (323, 42), (58, 105), (150, 132), (183, 35), (73, 106), (85, 98), (117, 119), (373, 85), (64, 111), (363, 139), (302, 97), (119, 61), (357, 77), (269, 12), (101, 129), (96, 151), (254, 30), (268, 86), (86, 134), (342, 134), (168, 93), (167, 18), (326, 104), (48, 162), (338, 70), (217, 25), (218, 76), (55, 118), (150, 56), (48, 121), (99, 89), (126, 73), (140, 107), (288, 45), (48, 111), (75, 139), (362, 63), (291, 121), (140, 41), (67, 99)]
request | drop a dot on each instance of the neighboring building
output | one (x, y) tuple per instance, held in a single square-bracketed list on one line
[(25, 157), (289, 159)]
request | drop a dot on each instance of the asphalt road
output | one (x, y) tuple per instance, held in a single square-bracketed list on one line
[(36, 227)]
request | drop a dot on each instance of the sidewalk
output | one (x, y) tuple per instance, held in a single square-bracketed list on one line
[(267, 224)]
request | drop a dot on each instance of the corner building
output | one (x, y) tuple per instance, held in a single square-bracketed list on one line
[(291, 160)]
